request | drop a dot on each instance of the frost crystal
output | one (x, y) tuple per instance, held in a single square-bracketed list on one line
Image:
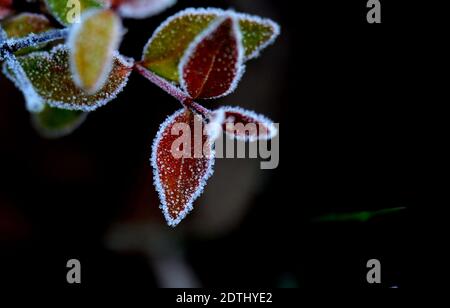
[(92, 44), (143, 8), (3, 35), (179, 181), (51, 79), (246, 125), (213, 63), (33, 101), (166, 47)]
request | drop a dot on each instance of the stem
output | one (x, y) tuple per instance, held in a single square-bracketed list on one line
[(173, 90), (15, 44)]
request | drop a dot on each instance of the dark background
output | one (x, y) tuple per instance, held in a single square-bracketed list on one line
[(349, 99)]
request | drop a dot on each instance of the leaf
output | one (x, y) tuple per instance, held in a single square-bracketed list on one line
[(142, 8), (56, 122), (166, 47), (180, 178), (5, 8), (26, 23), (92, 44), (213, 63), (357, 216), (68, 12), (257, 34), (164, 50), (246, 125), (50, 76)]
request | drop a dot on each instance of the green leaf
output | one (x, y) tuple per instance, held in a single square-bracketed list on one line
[(24, 24), (164, 50), (169, 42), (50, 75), (56, 122), (92, 44), (357, 216), (257, 34), (68, 12)]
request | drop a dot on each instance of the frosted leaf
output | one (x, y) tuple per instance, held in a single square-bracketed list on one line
[(50, 76), (92, 44), (55, 123), (24, 24), (33, 101), (246, 125), (68, 12), (213, 63), (257, 33), (179, 181), (170, 40), (143, 8), (166, 47), (3, 35)]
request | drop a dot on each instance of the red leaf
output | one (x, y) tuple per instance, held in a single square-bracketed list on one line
[(5, 8), (180, 172), (5, 3), (213, 64), (246, 125)]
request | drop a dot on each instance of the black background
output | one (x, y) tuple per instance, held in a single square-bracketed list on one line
[(354, 138)]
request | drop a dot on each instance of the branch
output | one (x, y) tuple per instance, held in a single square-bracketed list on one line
[(16, 44), (173, 90)]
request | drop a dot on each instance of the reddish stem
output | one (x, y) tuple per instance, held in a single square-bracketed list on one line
[(114, 4), (173, 90)]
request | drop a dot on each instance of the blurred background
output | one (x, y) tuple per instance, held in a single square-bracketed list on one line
[(348, 145)]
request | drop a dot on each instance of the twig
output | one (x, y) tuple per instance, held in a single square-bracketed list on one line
[(173, 90), (16, 44)]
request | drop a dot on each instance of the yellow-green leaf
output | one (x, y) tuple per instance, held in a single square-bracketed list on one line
[(166, 47), (50, 75), (25, 24), (55, 122), (92, 44), (257, 34), (68, 12)]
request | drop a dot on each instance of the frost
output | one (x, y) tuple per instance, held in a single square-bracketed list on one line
[(257, 33), (51, 79), (20, 43), (33, 101), (163, 83), (3, 35), (26, 23), (143, 8), (214, 127), (179, 182), (92, 44), (166, 47), (213, 64), (265, 128)]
